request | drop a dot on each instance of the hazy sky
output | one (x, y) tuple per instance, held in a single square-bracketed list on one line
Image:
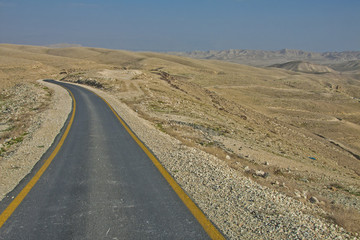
[(184, 25)]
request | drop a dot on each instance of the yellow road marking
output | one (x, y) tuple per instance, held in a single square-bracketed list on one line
[(210, 229), (20, 197)]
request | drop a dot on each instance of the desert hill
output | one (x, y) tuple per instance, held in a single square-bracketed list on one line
[(266, 58), (305, 67), (63, 45), (347, 66), (306, 127)]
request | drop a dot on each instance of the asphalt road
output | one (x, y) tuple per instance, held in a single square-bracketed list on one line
[(100, 185)]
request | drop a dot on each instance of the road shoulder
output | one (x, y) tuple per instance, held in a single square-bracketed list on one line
[(46, 126), (238, 206)]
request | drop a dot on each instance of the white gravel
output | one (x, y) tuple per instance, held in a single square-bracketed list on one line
[(42, 132), (239, 207)]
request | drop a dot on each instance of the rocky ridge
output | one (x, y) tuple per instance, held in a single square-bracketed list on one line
[(305, 67), (266, 58)]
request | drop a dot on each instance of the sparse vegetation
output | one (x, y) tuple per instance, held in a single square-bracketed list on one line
[(243, 115)]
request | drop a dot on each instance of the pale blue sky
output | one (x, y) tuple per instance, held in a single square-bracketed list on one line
[(165, 25)]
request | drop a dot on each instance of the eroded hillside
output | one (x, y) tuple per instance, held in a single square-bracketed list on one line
[(294, 132)]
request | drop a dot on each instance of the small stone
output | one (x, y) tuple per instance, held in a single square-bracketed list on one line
[(261, 173), (297, 193), (313, 199), (247, 169), (228, 157), (275, 183), (266, 163), (305, 194), (305, 180)]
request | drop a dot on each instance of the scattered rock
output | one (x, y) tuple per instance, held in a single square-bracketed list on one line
[(41, 119), (305, 194), (14, 167), (261, 173), (266, 163), (275, 183), (238, 199), (304, 180), (297, 193), (313, 199), (228, 157)]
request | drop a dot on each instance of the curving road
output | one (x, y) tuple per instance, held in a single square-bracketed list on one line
[(100, 185)]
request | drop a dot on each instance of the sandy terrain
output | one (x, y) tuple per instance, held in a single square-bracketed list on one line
[(287, 135)]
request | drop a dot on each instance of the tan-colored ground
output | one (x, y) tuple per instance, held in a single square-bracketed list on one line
[(31, 132), (302, 130), (304, 67)]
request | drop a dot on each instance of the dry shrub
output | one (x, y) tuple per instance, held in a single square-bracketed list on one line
[(216, 151), (346, 218)]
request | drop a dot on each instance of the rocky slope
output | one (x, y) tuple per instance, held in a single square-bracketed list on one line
[(287, 135), (240, 208), (349, 66), (305, 67)]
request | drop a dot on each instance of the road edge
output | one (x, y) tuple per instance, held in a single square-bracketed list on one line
[(20, 190), (205, 222)]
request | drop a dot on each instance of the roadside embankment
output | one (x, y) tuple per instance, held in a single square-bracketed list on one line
[(239, 207), (42, 130)]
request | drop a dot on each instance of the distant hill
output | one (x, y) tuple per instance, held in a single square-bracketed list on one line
[(63, 45), (266, 58), (301, 66), (347, 66)]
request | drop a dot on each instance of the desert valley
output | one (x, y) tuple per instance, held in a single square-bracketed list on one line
[(285, 122)]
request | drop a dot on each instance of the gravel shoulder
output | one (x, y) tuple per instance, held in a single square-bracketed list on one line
[(41, 134), (240, 208), (298, 131)]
